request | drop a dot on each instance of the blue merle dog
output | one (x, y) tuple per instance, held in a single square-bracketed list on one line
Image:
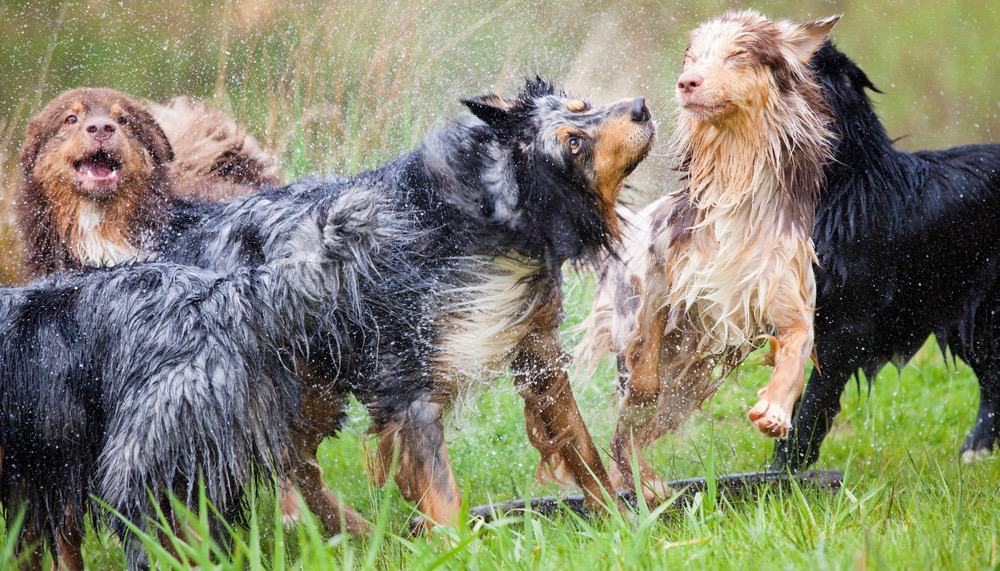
[(143, 379)]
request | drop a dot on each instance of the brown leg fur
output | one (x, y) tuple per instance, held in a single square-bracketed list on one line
[(666, 382), (415, 440), (68, 545), (552, 418), (320, 412), (773, 412)]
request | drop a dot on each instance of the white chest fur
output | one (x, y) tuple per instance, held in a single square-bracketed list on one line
[(93, 249), (487, 318), (743, 271)]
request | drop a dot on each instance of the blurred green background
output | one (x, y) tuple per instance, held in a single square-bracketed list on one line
[(344, 85)]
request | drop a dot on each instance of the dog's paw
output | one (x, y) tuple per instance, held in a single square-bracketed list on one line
[(771, 418), (973, 456), (656, 491), (291, 506)]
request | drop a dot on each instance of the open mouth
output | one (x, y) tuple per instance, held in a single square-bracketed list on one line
[(98, 172)]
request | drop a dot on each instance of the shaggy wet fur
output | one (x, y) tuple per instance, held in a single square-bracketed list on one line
[(908, 246), (713, 268), (98, 171), (503, 200), (215, 159), (149, 377)]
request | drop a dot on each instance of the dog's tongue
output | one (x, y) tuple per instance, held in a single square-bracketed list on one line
[(98, 169)]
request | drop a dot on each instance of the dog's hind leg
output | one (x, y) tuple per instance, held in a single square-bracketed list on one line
[(639, 390), (413, 440), (552, 418), (773, 412), (321, 414)]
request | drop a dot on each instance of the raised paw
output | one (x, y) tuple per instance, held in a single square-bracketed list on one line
[(771, 418)]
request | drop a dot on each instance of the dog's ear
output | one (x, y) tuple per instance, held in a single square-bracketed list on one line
[(536, 87), (36, 135), (805, 38), (492, 110), (150, 134)]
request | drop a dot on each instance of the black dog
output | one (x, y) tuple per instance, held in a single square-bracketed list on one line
[(503, 200), (124, 381), (909, 245)]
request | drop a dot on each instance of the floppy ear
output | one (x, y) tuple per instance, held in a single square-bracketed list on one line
[(34, 139), (490, 109), (806, 38), (151, 135)]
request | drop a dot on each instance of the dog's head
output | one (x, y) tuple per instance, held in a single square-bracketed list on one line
[(742, 62), (557, 142), (94, 142)]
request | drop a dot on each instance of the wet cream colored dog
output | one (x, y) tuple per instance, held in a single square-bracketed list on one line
[(716, 267)]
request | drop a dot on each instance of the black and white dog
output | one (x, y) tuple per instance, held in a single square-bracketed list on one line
[(908, 245), (136, 379), (502, 199)]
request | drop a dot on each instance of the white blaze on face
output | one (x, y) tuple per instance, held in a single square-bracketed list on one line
[(93, 249)]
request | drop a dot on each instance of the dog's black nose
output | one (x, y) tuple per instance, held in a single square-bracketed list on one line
[(100, 128), (640, 113)]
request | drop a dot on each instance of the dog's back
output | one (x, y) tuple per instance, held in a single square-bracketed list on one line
[(149, 376)]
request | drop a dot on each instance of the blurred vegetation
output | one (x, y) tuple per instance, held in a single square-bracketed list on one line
[(344, 85)]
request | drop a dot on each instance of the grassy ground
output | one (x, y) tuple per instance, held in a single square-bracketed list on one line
[(342, 86), (907, 502)]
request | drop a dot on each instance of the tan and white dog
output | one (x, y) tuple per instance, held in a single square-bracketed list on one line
[(712, 269)]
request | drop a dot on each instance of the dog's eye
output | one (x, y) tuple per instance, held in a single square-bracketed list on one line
[(737, 53), (575, 144), (70, 119), (122, 120)]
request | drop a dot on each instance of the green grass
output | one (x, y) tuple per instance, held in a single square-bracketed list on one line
[(343, 86), (907, 503)]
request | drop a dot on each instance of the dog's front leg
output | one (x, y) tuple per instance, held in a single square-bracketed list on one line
[(413, 441), (773, 412), (552, 418)]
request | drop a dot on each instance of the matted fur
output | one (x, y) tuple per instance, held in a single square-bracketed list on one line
[(147, 377), (908, 246), (64, 225), (215, 158), (503, 199), (730, 254)]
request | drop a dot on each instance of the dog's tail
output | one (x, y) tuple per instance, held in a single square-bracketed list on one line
[(345, 243), (214, 157)]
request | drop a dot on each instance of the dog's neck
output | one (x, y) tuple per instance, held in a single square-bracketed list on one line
[(505, 204), (757, 165), (96, 233), (98, 242)]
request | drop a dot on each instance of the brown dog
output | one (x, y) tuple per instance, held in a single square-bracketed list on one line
[(99, 168)]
